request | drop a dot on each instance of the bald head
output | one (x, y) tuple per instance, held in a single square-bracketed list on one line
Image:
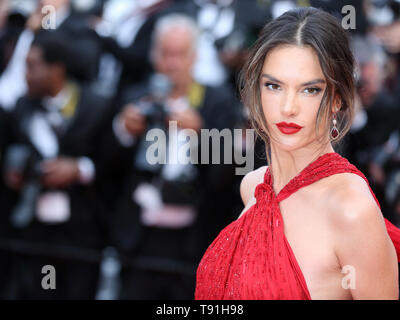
[(174, 47), (175, 22)]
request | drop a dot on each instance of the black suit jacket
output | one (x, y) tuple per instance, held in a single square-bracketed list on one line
[(383, 117), (134, 58), (84, 228), (220, 109)]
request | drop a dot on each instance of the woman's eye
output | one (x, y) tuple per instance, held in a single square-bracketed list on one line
[(312, 90), (272, 86)]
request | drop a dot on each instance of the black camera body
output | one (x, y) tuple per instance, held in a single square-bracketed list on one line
[(154, 109), (24, 160), (154, 113)]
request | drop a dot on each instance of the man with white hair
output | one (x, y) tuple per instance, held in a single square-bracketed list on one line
[(170, 201)]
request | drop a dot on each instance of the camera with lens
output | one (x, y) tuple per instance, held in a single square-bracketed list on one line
[(153, 109), (155, 112), (23, 160)]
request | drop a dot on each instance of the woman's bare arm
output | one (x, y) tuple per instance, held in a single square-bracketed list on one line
[(363, 247)]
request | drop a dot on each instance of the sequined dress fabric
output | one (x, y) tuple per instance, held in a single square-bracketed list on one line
[(251, 258)]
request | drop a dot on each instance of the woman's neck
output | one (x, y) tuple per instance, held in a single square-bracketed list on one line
[(285, 165)]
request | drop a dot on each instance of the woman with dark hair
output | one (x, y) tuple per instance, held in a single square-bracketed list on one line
[(311, 227)]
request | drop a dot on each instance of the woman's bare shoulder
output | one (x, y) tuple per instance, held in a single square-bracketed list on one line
[(356, 224), (249, 183), (360, 238), (349, 200)]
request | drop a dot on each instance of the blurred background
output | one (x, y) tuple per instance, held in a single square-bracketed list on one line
[(82, 82)]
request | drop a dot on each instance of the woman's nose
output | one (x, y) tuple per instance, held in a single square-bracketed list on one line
[(289, 106)]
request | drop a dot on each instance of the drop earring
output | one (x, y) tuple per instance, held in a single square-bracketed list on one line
[(334, 130)]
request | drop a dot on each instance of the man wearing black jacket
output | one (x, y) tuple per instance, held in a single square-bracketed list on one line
[(56, 126), (130, 40), (51, 15), (165, 213)]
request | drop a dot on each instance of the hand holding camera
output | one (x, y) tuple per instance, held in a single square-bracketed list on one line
[(133, 120), (187, 119), (59, 173)]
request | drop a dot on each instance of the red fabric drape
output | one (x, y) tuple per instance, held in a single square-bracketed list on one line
[(251, 257)]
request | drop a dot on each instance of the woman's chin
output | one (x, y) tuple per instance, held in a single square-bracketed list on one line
[(288, 143), (288, 146), (291, 144)]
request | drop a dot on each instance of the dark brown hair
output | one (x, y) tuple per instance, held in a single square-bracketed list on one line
[(322, 32)]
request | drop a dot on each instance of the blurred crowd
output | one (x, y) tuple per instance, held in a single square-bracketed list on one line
[(81, 84)]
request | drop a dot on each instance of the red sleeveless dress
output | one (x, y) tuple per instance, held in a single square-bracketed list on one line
[(251, 258)]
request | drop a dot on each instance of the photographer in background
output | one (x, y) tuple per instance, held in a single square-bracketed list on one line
[(226, 29), (53, 165), (51, 15), (124, 31), (386, 162), (372, 140), (161, 210)]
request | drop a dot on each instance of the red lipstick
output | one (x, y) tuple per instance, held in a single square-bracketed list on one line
[(288, 128)]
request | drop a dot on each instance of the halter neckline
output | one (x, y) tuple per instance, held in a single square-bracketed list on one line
[(268, 178)]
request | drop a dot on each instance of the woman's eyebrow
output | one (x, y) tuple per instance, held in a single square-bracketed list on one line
[(308, 83), (315, 81)]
